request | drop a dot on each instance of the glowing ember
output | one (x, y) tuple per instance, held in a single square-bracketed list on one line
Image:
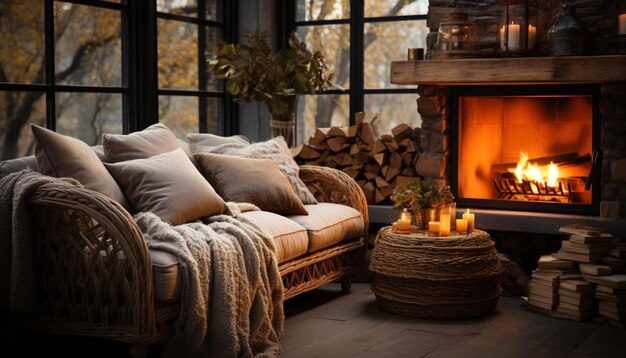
[(535, 173)]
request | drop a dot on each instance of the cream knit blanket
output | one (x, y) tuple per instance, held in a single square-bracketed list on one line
[(232, 298)]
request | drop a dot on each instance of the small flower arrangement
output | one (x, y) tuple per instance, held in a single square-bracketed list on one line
[(418, 195)]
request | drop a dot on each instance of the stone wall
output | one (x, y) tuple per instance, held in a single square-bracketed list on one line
[(613, 144)]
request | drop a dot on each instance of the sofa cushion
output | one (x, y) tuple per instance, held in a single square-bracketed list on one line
[(168, 185), (166, 275), (213, 140), (256, 181), (63, 156), (156, 139), (329, 223), (275, 149), (290, 238)]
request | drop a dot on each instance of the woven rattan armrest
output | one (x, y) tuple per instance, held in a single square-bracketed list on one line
[(93, 266), (334, 186)]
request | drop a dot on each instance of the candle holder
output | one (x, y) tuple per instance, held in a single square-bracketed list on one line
[(403, 225), (517, 27)]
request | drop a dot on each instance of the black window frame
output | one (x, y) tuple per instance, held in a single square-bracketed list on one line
[(139, 87), (287, 23)]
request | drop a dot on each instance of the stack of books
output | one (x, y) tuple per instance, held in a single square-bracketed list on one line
[(586, 244), (543, 288), (616, 258), (611, 295), (576, 300)]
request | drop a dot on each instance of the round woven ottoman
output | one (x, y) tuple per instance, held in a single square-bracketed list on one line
[(436, 277)]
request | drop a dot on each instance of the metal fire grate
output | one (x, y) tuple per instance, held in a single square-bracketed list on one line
[(532, 191)]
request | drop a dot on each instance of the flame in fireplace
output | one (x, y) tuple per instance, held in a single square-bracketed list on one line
[(526, 170)]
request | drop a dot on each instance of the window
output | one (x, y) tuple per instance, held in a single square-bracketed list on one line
[(83, 68), (359, 39)]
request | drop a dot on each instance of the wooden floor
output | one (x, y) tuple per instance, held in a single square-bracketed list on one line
[(324, 323)]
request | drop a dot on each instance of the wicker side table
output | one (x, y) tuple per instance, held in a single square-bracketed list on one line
[(435, 277)]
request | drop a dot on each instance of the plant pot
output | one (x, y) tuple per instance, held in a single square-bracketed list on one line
[(283, 112), (283, 128), (424, 216)]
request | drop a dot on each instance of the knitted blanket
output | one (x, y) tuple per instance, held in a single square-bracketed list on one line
[(17, 276), (232, 299)]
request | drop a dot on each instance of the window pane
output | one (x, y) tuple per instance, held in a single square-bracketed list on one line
[(87, 116), (321, 111), (212, 106), (180, 114), (22, 47), (334, 43), (376, 8), (19, 110), (178, 55), (388, 41), (189, 8), (213, 36), (311, 10), (393, 109), (88, 50)]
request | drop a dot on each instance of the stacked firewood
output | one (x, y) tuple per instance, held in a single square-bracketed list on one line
[(378, 163)]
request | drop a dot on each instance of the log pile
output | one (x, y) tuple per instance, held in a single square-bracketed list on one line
[(378, 163)]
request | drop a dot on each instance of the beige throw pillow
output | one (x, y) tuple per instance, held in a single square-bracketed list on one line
[(156, 139), (213, 140), (169, 186), (63, 156), (256, 181), (275, 149)]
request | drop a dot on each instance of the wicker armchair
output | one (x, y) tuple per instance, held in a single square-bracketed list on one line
[(94, 269)]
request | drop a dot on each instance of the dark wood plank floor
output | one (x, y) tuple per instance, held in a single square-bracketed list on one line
[(324, 323)]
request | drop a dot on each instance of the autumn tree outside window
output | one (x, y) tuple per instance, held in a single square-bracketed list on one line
[(359, 39)]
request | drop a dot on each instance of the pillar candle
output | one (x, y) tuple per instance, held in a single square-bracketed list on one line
[(461, 226), (433, 227), (532, 37), (470, 220), (514, 36), (444, 225), (502, 34), (622, 24), (404, 222)]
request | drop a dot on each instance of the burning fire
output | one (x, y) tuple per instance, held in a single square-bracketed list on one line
[(525, 170)]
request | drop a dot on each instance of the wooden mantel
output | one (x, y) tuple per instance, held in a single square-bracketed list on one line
[(526, 70)]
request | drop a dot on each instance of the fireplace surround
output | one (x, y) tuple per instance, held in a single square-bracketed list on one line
[(437, 80)]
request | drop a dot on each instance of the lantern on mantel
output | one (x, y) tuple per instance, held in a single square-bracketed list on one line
[(517, 28), (620, 28)]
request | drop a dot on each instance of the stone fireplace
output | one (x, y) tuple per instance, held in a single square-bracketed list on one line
[(479, 114)]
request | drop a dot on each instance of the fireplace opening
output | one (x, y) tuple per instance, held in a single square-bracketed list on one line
[(530, 148)]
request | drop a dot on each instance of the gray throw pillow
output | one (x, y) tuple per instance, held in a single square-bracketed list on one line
[(60, 156), (156, 139), (275, 149), (256, 181), (169, 186)]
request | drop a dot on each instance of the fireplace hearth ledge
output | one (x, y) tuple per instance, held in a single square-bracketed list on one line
[(514, 221)]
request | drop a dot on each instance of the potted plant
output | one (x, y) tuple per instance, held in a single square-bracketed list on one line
[(425, 199), (256, 73)]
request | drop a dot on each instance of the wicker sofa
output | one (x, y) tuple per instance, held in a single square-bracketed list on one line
[(122, 294)]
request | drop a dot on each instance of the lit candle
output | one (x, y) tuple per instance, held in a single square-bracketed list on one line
[(622, 24), (532, 37), (461, 226), (514, 35), (470, 220), (502, 33), (404, 222), (444, 225), (433, 227)]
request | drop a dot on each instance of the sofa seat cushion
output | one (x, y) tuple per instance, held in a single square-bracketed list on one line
[(166, 275), (328, 224), (291, 239)]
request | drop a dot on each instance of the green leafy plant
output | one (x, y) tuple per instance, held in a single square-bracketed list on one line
[(256, 73), (417, 195)]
